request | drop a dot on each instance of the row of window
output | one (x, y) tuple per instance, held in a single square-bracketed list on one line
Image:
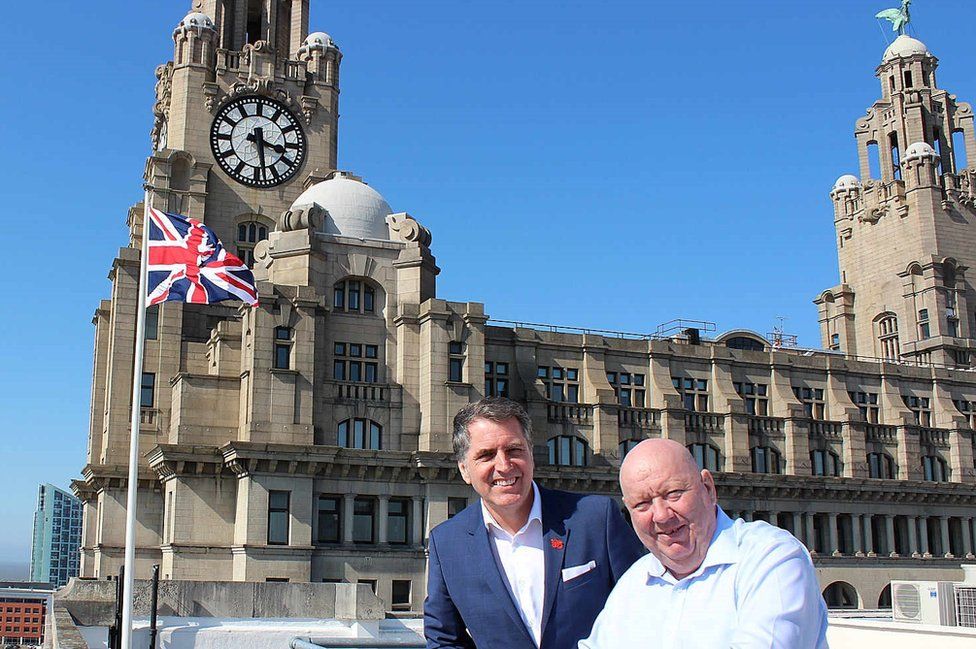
[(365, 512)]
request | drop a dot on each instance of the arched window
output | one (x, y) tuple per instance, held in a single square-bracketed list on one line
[(354, 296), (747, 344), (706, 455), (825, 462), (565, 450), (884, 599), (880, 465), (360, 433), (249, 233), (887, 331), (934, 469), (766, 459), (840, 594)]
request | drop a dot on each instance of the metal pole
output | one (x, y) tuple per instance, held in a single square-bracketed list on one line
[(152, 607), (130, 507)]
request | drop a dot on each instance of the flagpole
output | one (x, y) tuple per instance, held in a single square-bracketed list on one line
[(134, 423)]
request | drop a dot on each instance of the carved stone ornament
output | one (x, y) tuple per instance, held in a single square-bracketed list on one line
[(214, 98), (164, 88), (407, 228), (874, 214), (301, 217), (262, 254)]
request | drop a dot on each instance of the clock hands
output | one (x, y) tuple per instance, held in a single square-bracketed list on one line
[(257, 137)]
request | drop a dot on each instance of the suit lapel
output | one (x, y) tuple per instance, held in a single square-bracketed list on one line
[(493, 578), (554, 543)]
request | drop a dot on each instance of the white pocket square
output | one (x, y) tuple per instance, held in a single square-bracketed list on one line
[(576, 571)]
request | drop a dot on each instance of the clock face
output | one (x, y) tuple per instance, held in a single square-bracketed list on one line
[(257, 141)]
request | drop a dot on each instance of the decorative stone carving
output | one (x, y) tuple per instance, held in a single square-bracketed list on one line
[(262, 254), (407, 228), (300, 217)]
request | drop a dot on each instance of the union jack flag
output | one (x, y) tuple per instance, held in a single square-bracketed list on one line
[(187, 263)]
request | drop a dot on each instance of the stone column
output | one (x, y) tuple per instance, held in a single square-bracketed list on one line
[(798, 526), (810, 533), (348, 504), (890, 533), (773, 517), (944, 529), (857, 523), (869, 535), (417, 521), (923, 538), (384, 521), (913, 536), (832, 525), (967, 537)]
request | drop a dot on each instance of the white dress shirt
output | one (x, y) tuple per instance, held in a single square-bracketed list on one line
[(521, 559), (756, 588)]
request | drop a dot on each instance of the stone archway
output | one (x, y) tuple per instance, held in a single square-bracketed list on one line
[(884, 599)]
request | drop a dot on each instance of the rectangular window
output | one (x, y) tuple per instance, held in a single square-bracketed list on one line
[(363, 520), (371, 351), (455, 506), (370, 372), (456, 370), (455, 351), (369, 297), (495, 385), (355, 371), (754, 396), (147, 395), (835, 342), (400, 599), (330, 519), (694, 393), (278, 517), (369, 582), (282, 357), (908, 79), (339, 370), (398, 518), (812, 400), (339, 349), (626, 396), (152, 322), (354, 296), (562, 384), (867, 404)]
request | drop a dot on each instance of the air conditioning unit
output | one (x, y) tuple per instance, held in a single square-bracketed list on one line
[(923, 602), (966, 605)]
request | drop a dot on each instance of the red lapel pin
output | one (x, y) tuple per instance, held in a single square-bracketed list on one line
[(557, 544)]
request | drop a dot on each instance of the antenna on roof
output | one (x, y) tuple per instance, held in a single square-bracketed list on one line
[(779, 338)]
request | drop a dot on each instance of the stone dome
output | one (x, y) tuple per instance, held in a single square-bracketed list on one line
[(919, 151), (904, 46), (197, 20), (352, 208), (847, 181), (317, 41)]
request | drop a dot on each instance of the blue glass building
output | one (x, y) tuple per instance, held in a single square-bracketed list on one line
[(57, 536)]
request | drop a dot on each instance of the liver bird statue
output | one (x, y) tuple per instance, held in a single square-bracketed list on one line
[(898, 17)]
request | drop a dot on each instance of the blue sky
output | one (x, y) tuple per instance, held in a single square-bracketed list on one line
[(599, 164)]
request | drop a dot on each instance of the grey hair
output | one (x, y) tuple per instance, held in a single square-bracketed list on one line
[(490, 408)]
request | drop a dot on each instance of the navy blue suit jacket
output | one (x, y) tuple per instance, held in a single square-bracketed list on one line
[(468, 601)]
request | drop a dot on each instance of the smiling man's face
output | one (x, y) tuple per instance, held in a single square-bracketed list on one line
[(499, 466), (671, 503)]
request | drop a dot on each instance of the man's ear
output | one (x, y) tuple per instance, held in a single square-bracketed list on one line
[(709, 483), (464, 472)]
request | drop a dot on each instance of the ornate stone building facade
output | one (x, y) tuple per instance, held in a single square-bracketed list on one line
[(309, 438)]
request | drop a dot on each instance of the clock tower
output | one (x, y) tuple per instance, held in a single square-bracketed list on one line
[(245, 112)]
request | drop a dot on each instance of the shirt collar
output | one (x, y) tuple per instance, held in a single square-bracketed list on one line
[(722, 550), (535, 514)]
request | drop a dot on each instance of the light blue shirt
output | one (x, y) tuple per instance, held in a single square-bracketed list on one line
[(755, 589)]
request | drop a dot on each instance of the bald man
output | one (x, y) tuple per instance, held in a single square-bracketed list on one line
[(708, 581)]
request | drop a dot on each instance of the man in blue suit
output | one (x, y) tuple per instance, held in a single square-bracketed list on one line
[(525, 567)]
